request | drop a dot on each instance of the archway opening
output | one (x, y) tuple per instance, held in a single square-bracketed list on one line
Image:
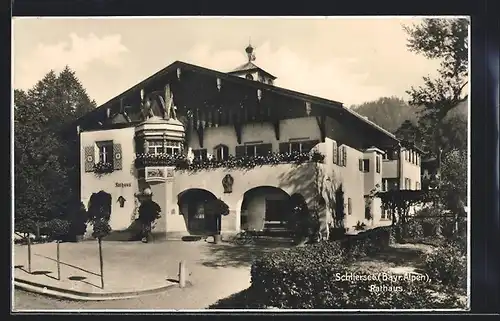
[(192, 204), (265, 208)]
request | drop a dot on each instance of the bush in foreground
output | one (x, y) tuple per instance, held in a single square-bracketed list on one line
[(319, 276), (448, 266)]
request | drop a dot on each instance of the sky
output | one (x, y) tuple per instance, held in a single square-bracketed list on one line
[(348, 60)]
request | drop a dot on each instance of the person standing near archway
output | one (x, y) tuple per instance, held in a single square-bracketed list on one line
[(149, 211)]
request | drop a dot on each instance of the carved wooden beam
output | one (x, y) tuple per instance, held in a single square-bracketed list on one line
[(276, 125), (321, 120), (237, 130)]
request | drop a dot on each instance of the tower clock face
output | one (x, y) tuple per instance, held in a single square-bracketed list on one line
[(249, 76)]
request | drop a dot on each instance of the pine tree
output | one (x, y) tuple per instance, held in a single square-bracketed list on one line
[(46, 156)]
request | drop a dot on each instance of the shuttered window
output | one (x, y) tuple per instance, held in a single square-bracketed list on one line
[(221, 152), (349, 206), (377, 164), (360, 165), (253, 150), (284, 148), (240, 151), (117, 157), (200, 154), (335, 153), (105, 152), (304, 146), (366, 165), (89, 153), (344, 156)]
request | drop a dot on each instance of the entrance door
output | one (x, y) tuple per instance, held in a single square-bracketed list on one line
[(276, 211)]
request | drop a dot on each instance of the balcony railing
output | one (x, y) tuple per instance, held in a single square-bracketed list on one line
[(181, 162)]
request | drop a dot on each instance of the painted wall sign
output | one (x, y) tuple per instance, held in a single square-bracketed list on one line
[(123, 185), (155, 174)]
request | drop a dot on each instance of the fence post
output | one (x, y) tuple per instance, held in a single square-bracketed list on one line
[(182, 274)]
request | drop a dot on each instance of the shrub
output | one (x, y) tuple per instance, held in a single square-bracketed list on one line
[(448, 266), (101, 228), (399, 293), (366, 243), (57, 229), (414, 229), (295, 273)]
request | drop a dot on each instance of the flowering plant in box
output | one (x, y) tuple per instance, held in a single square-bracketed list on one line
[(103, 168), (181, 162)]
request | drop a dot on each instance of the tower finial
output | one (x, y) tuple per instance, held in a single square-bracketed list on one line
[(249, 51)]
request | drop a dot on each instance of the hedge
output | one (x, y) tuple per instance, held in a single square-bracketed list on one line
[(309, 278)]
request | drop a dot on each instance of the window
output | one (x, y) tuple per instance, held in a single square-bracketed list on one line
[(158, 146), (249, 77), (200, 154), (349, 206), (342, 154), (407, 156), (417, 185), (384, 184), (377, 163), (304, 146), (270, 81), (335, 153), (105, 151), (253, 149), (407, 183), (221, 152), (364, 165)]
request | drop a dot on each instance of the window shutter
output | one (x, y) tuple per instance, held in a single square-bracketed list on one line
[(344, 156), (284, 147), (117, 156), (309, 145), (360, 165), (203, 153), (240, 151), (89, 158), (266, 148), (335, 152)]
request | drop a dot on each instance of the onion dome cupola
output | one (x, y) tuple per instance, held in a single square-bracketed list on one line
[(251, 71)]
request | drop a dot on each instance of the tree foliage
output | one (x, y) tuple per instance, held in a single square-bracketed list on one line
[(446, 40), (46, 157)]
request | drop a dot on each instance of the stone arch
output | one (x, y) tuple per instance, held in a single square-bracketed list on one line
[(191, 204), (263, 207)]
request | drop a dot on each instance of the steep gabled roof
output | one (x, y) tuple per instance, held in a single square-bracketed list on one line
[(250, 66), (338, 106)]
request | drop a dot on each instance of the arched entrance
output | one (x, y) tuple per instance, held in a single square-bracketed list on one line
[(264, 207), (192, 206)]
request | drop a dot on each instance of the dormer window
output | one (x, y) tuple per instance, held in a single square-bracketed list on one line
[(249, 77)]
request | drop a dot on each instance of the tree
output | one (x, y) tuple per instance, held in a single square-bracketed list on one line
[(46, 156), (446, 40)]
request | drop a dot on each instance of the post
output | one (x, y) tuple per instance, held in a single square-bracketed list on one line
[(100, 262), (29, 253), (58, 262), (182, 274)]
